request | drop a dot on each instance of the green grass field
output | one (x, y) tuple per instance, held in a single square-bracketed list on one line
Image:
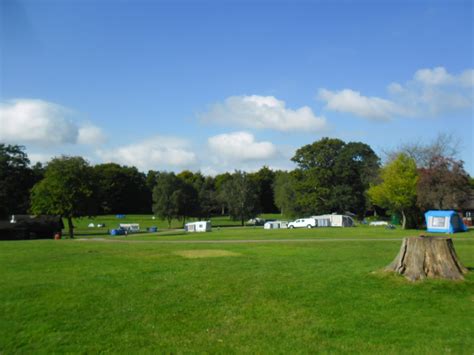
[(295, 291)]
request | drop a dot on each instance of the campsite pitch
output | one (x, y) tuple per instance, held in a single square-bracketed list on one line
[(95, 296)]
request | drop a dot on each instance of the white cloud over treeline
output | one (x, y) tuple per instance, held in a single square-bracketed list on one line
[(263, 112), (429, 93), (43, 123), (155, 153)]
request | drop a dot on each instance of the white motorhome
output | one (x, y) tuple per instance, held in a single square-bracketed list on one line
[(303, 223), (199, 226), (275, 225), (335, 220)]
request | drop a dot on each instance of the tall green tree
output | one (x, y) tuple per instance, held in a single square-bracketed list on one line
[(284, 193), (67, 190), (220, 181), (122, 189), (187, 192), (397, 190), (166, 197), (240, 193), (264, 179), (207, 194), (333, 176), (16, 180)]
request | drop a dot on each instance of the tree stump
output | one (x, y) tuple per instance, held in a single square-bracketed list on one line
[(428, 257)]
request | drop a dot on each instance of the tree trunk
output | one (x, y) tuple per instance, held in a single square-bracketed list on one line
[(428, 257), (404, 220), (71, 227)]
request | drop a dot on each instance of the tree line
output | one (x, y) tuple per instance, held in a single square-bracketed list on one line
[(330, 176)]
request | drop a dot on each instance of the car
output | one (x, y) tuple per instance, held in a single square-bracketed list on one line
[(303, 223)]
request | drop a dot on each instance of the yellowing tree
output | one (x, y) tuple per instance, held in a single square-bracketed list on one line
[(397, 191)]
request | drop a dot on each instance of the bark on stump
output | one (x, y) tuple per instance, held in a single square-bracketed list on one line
[(428, 257)]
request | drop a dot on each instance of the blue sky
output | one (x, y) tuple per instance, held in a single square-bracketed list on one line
[(219, 85)]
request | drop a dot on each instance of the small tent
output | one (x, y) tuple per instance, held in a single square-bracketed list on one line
[(444, 222)]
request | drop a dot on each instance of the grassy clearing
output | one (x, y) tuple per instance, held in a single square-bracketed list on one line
[(71, 296)]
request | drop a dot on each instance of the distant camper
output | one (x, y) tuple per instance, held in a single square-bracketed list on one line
[(334, 220), (200, 226), (275, 225)]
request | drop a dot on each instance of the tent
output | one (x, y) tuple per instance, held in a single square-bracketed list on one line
[(444, 222), (334, 220)]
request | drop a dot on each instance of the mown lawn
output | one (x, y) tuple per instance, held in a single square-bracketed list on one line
[(326, 296)]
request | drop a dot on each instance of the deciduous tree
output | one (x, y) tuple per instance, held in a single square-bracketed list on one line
[(240, 194), (166, 197), (444, 184), (397, 191), (16, 180), (66, 190)]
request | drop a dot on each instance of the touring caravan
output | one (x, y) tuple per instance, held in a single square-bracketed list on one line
[(200, 226)]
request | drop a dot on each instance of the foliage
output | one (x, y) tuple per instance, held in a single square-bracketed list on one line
[(66, 190), (444, 184), (122, 189), (16, 180), (166, 197), (397, 191), (240, 194), (264, 180), (284, 192), (220, 182), (333, 176)]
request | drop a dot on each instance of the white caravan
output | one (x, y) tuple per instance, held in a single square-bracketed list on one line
[(303, 223), (200, 226)]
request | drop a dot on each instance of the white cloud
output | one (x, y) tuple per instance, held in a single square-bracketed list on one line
[(239, 147), (431, 92), (439, 76), (435, 76), (350, 101), (157, 153), (263, 112), (39, 122), (36, 121), (90, 134)]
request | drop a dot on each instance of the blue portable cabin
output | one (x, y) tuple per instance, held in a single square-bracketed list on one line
[(444, 222)]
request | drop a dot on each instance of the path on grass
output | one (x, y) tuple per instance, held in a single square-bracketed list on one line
[(244, 241)]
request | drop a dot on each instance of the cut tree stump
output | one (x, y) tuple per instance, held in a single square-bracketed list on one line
[(428, 257)]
